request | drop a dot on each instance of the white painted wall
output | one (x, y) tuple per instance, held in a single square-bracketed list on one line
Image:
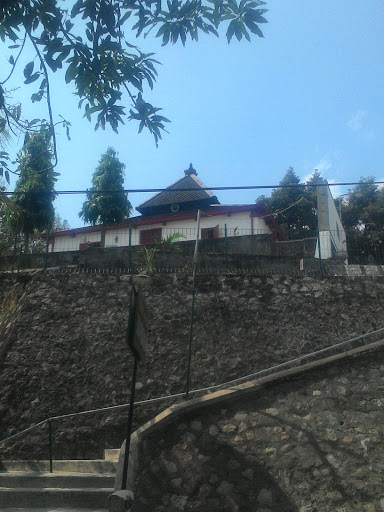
[(238, 224), (333, 241), (72, 243)]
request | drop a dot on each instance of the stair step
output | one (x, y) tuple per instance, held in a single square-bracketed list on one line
[(55, 509), (15, 479), (71, 466), (27, 497), (112, 454)]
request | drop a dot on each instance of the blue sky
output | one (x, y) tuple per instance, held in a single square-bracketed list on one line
[(308, 95)]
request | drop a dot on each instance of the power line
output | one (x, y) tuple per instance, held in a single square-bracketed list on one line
[(239, 187)]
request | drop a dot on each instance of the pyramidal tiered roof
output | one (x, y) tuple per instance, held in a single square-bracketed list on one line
[(179, 200)]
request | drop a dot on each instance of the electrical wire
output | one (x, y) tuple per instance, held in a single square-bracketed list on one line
[(152, 190)]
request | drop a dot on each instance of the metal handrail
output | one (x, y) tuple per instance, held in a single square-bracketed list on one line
[(176, 395)]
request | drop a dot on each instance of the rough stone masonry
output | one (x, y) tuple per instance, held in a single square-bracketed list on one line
[(313, 444), (66, 352)]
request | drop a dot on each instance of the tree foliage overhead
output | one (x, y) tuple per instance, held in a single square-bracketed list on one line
[(294, 207), (93, 41), (35, 188), (104, 208)]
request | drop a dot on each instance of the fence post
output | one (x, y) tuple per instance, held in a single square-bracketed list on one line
[(195, 260), (318, 243), (47, 248), (50, 446), (130, 249), (14, 251), (19, 259), (129, 426), (226, 247)]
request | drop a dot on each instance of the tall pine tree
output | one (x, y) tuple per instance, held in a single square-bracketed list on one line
[(35, 188), (105, 207)]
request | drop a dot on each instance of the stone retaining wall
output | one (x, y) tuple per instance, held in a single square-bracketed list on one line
[(65, 349), (236, 252), (309, 444)]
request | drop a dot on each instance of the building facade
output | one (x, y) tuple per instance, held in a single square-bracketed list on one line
[(171, 211)]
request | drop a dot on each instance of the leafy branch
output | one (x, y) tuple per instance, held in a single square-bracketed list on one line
[(98, 56)]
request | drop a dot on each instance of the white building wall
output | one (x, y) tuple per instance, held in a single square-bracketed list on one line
[(332, 236), (72, 243), (238, 224)]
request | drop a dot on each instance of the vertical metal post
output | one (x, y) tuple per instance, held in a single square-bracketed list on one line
[(50, 446), (14, 251), (46, 248), (195, 258), (226, 247), (19, 259), (318, 243), (318, 198), (130, 248), (129, 427)]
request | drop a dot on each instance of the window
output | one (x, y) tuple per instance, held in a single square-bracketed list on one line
[(150, 236), (209, 233)]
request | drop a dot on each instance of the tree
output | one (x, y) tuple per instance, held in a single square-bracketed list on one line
[(6, 235), (311, 199), (291, 206), (35, 188), (295, 207), (362, 213), (60, 224), (94, 45), (104, 208), (363, 210)]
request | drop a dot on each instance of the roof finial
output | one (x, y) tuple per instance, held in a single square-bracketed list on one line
[(190, 171)]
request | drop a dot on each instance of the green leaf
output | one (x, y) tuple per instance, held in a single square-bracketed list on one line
[(92, 110), (33, 122), (162, 30), (238, 30), (231, 30), (71, 73), (233, 6), (141, 126), (244, 30), (37, 96), (32, 78), (183, 37), (64, 54), (11, 34), (253, 28), (123, 19), (28, 69)]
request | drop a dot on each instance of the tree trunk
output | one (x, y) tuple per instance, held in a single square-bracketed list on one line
[(26, 243)]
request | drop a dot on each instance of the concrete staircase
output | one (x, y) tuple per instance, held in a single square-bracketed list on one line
[(74, 484)]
